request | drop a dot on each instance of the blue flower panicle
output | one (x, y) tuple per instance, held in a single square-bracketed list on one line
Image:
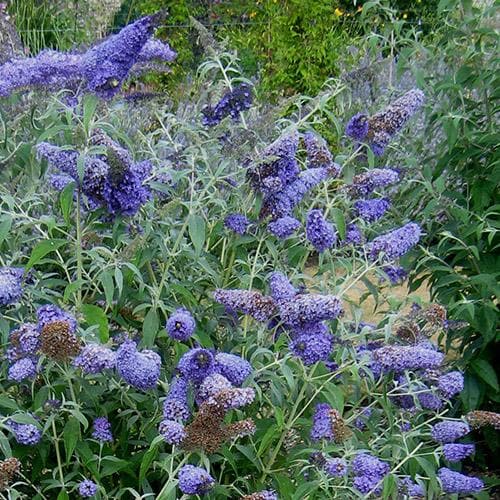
[(140, 369), (180, 325), (195, 480), (319, 231)]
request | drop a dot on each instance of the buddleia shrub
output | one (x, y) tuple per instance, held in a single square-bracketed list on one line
[(177, 309)]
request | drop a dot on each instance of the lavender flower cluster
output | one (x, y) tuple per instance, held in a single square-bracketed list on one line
[(231, 104), (112, 181), (302, 315), (11, 280), (101, 70), (277, 176)]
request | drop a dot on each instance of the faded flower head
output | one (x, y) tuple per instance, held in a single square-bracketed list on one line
[(8, 469), (58, 341), (249, 302), (481, 418), (318, 154)]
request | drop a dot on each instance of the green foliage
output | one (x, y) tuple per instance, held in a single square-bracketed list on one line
[(463, 267)]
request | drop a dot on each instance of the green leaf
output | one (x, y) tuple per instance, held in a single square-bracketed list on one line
[(486, 372), (5, 226), (197, 232), (66, 201), (63, 495), (80, 166), (148, 458), (109, 287), (111, 464), (94, 315), (42, 249), (90, 102), (267, 439), (71, 435), (150, 327), (339, 219)]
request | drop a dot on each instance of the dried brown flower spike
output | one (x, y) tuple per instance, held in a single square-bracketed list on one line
[(480, 418), (58, 342), (8, 469)]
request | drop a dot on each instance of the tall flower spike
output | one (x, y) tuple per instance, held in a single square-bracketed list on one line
[(175, 406), (449, 431), (281, 288), (281, 202), (394, 244), (367, 182), (310, 308), (277, 161), (457, 483), (399, 358), (106, 66)]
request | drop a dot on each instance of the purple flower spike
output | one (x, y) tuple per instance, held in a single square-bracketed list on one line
[(319, 231)]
